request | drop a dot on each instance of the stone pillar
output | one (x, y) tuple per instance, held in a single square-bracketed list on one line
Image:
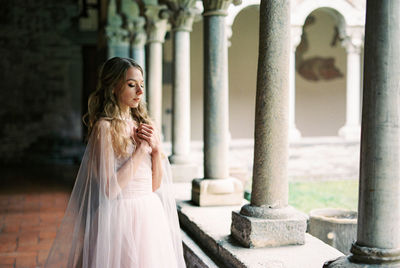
[(268, 220), (157, 26), (296, 32), (217, 188), (378, 232), (118, 44), (353, 43), (182, 19), (137, 32)]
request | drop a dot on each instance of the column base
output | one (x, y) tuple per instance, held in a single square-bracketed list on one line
[(217, 192), (294, 134), (349, 132), (184, 172), (367, 257), (345, 262), (268, 227)]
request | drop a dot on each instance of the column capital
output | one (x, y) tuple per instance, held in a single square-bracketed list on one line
[(183, 13), (182, 20), (135, 23), (217, 7), (114, 31), (353, 41), (157, 22)]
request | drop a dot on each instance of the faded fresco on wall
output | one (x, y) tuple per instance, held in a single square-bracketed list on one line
[(316, 68)]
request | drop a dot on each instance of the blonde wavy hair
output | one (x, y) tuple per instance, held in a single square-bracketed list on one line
[(103, 103)]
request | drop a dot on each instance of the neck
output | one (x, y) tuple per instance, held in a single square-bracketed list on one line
[(125, 112)]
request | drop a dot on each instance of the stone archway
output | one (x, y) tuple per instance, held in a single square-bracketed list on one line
[(349, 18), (320, 75)]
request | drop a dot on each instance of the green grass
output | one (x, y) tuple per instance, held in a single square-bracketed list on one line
[(306, 196)]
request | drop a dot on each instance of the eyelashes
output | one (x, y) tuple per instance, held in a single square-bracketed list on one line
[(132, 85)]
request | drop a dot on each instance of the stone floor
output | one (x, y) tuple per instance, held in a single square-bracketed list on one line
[(31, 207)]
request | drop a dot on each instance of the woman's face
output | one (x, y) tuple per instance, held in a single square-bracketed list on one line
[(132, 89)]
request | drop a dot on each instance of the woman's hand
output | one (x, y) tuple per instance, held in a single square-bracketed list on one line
[(146, 132), (138, 141)]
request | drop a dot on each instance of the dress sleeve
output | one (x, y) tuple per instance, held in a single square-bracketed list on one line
[(101, 164)]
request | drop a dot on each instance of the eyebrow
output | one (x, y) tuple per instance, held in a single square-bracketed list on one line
[(130, 79)]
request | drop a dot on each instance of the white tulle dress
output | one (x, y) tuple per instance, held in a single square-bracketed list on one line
[(107, 225)]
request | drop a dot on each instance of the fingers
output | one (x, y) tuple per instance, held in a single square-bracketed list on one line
[(147, 128), (144, 137)]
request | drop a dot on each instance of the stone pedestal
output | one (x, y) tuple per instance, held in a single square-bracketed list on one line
[(217, 192), (271, 227)]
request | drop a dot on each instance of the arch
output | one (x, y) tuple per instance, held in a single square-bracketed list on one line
[(233, 10), (351, 15)]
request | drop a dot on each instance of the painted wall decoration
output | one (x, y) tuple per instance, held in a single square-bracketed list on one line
[(316, 68)]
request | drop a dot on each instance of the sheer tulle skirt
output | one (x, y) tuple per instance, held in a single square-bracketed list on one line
[(147, 240)]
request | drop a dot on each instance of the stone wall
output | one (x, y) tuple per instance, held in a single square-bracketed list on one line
[(40, 80)]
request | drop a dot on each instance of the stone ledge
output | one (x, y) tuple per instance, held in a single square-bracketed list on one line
[(210, 226), (194, 256)]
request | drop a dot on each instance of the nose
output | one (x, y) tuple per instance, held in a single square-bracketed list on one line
[(139, 90)]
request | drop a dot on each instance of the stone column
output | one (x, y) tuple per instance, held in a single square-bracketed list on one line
[(296, 32), (353, 43), (378, 232), (217, 188), (137, 32), (118, 44), (268, 220), (182, 19), (157, 26)]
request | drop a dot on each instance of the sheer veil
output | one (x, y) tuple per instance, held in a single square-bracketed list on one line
[(92, 232)]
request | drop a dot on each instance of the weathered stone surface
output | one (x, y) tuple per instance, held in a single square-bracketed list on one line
[(336, 227), (217, 192), (257, 232), (210, 227), (270, 186)]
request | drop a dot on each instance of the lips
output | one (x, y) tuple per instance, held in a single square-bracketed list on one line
[(136, 99)]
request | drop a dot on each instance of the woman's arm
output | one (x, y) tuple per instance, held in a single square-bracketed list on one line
[(147, 133), (156, 167)]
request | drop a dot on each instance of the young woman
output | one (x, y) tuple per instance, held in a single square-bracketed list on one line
[(121, 211)]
